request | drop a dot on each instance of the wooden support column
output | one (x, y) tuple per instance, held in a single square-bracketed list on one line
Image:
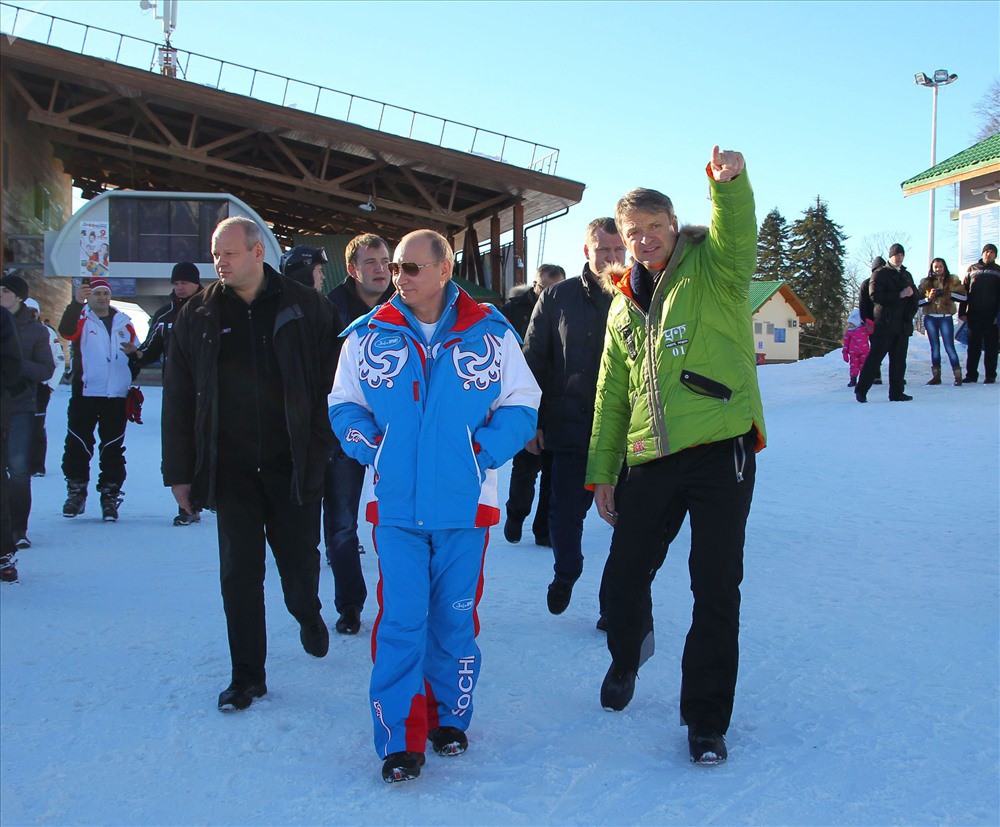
[(495, 264), (519, 254)]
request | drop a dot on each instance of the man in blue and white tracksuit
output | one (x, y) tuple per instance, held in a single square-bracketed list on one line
[(433, 392)]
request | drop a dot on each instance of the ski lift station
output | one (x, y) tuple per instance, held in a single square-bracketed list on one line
[(134, 238)]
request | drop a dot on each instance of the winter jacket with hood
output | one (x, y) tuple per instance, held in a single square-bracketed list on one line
[(434, 419), (856, 344), (563, 346), (301, 346), (37, 364), (157, 344), (99, 366), (944, 304), (684, 373)]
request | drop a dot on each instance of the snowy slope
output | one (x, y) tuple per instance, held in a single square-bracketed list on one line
[(868, 692)]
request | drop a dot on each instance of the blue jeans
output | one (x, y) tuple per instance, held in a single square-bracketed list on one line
[(19, 463), (342, 486), (941, 327)]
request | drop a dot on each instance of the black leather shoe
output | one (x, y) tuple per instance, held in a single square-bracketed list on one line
[(903, 397), (236, 697), (618, 688), (707, 747), (349, 622), (448, 740), (402, 766), (861, 397), (543, 540), (315, 638), (512, 531), (559, 596)]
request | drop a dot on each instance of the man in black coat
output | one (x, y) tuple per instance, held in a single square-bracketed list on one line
[(527, 464), (246, 433), (867, 309), (563, 347), (368, 285), (894, 296), (982, 314)]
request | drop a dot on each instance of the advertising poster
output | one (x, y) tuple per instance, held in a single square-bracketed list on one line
[(94, 250)]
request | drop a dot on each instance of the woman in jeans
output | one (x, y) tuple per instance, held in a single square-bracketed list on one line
[(939, 291)]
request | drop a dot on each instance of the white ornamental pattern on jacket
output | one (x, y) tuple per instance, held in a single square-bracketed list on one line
[(376, 368), (476, 369)]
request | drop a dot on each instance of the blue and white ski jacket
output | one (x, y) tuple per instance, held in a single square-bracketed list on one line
[(435, 420)]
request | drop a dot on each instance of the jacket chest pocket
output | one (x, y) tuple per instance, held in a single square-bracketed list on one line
[(703, 386)]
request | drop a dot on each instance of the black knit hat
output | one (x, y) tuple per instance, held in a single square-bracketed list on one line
[(896, 250), (992, 247), (297, 264), (185, 271), (16, 285)]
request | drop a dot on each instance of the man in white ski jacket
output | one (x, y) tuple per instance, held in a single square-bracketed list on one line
[(102, 373)]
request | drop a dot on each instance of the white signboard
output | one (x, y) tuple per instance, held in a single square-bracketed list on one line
[(977, 227)]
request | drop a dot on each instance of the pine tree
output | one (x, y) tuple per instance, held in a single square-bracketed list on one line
[(816, 255), (772, 249)]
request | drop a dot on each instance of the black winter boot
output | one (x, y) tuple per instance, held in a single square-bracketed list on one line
[(76, 501), (111, 498)]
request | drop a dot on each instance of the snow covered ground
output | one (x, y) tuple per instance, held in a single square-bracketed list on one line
[(868, 692)]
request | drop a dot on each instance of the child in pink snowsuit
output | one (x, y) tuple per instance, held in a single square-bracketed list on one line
[(856, 345)]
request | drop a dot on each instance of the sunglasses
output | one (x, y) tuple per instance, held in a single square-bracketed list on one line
[(408, 267)]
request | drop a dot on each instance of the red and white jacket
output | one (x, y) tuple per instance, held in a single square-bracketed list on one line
[(103, 369)]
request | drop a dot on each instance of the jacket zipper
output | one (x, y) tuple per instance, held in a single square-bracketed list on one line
[(739, 457)]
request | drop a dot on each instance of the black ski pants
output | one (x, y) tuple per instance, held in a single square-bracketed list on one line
[(253, 507), (983, 340), (713, 485), (107, 414), (524, 470), (882, 343)]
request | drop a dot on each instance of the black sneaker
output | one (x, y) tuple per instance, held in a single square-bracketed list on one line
[(21, 541), (76, 500), (903, 397), (448, 740), (402, 766), (512, 530), (990, 380), (349, 622), (969, 379), (240, 697), (559, 596), (315, 638), (185, 518), (707, 747), (861, 397), (618, 688), (543, 540)]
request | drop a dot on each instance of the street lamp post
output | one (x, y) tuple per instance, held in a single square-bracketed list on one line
[(939, 78)]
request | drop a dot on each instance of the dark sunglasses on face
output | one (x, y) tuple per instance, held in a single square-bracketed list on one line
[(410, 268)]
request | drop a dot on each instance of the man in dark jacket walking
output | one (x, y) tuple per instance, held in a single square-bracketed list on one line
[(245, 432), (37, 365), (529, 463), (982, 314), (563, 347), (894, 296), (185, 281), (368, 285)]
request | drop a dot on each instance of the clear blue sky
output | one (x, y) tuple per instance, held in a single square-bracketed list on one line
[(818, 96)]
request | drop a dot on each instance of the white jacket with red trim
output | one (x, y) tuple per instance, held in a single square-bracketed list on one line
[(103, 369)]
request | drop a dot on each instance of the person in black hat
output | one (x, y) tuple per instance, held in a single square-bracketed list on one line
[(304, 264), (982, 314), (185, 281), (894, 299)]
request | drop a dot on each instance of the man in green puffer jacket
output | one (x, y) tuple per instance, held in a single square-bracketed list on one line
[(678, 396)]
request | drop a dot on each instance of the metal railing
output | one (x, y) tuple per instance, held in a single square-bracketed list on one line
[(92, 41)]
